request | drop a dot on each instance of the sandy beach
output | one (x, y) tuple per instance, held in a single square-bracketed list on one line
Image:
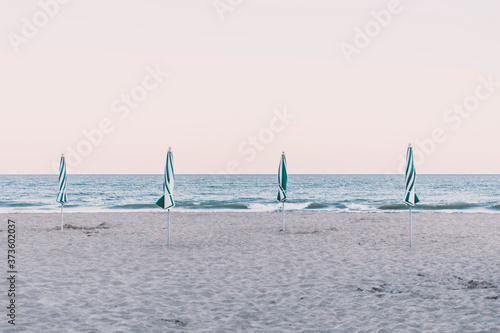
[(238, 272)]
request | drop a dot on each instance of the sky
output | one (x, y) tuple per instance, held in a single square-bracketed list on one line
[(341, 86)]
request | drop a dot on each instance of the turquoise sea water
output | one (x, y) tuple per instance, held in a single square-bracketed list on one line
[(330, 193)]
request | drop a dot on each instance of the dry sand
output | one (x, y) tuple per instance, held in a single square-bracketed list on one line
[(237, 272)]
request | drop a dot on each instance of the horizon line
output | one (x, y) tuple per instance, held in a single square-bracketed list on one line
[(246, 174)]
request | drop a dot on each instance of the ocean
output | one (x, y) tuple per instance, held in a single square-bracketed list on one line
[(252, 193)]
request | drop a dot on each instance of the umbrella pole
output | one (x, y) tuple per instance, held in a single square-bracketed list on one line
[(283, 215), (410, 226), (168, 230), (62, 216)]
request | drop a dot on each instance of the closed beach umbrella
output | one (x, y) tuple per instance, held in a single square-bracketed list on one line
[(61, 196), (282, 179), (167, 200), (411, 197)]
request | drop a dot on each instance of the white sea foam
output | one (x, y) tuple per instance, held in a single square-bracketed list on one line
[(320, 193)]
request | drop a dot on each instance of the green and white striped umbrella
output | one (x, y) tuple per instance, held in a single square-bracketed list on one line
[(411, 197), (282, 179), (61, 196), (167, 200)]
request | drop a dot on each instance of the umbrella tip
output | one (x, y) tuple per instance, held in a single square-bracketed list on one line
[(282, 153), (169, 149), (409, 145)]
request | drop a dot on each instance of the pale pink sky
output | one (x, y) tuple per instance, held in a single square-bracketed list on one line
[(228, 79)]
